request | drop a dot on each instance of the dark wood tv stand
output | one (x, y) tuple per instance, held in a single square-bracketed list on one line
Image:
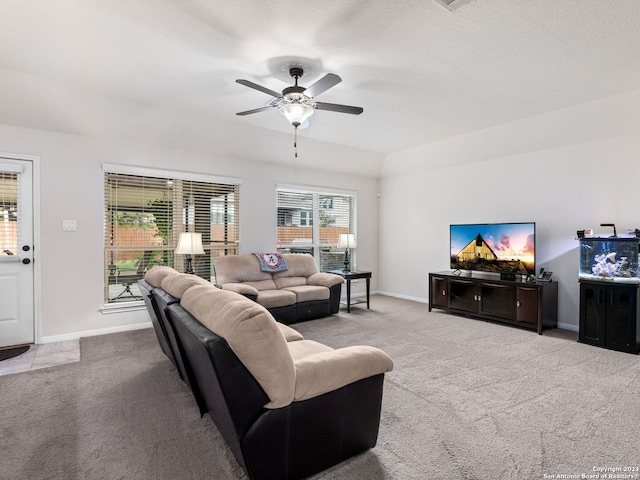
[(485, 296)]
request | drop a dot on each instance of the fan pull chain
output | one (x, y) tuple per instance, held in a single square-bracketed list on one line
[(295, 143)]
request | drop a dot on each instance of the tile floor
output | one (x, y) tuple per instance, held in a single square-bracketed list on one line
[(42, 356)]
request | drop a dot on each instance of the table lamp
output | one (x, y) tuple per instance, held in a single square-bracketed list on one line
[(190, 244), (346, 241)]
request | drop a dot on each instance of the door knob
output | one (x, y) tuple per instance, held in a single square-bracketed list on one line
[(26, 261), (26, 248)]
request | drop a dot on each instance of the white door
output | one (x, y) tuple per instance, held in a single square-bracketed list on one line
[(16, 252)]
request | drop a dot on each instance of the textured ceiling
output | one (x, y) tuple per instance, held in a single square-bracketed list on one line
[(164, 71)]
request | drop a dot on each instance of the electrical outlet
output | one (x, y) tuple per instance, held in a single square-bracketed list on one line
[(69, 225)]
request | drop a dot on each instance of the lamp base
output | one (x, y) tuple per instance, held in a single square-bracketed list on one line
[(189, 268), (346, 261)]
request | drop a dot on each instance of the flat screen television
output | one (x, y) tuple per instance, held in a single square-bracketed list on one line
[(505, 248)]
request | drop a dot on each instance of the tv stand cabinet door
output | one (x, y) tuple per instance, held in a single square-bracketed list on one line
[(537, 305), (438, 292), (463, 295), (497, 300), (527, 305)]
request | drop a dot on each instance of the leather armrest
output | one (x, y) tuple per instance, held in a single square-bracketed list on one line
[(240, 288), (324, 279), (324, 372)]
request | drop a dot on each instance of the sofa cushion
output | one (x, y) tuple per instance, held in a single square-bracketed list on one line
[(156, 274), (241, 288), (325, 371), (289, 333), (276, 298), (267, 284), (300, 265), (309, 293), (304, 348), (251, 333), (284, 282), (175, 285), (239, 268)]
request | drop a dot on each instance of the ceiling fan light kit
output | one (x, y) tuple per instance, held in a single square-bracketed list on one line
[(296, 103), (296, 113)]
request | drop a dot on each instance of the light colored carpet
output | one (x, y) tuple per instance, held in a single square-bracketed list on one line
[(467, 400)]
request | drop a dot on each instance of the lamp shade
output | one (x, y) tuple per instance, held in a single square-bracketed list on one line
[(347, 240), (190, 244), (296, 113)]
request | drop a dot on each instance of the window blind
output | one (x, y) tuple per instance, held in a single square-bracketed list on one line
[(144, 216), (311, 222)]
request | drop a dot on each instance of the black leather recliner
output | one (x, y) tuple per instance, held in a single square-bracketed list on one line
[(292, 442), (287, 407), (156, 315)]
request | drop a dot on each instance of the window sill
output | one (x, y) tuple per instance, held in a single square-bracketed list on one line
[(109, 308)]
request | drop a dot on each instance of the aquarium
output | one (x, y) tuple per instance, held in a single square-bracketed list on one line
[(609, 259)]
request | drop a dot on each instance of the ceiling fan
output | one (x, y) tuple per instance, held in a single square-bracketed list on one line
[(297, 103)]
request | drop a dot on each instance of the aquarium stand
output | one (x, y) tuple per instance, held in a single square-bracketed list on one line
[(486, 296), (609, 315), (609, 301)]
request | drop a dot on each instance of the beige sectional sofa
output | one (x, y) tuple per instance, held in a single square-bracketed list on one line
[(296, 294), (287, 407)]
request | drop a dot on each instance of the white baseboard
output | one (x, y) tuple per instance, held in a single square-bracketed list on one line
[(568, 326), (404, 297), (92, 333), (139, 326)]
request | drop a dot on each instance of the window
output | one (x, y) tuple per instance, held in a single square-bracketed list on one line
[(306, 218), (9, 215), (298, 232), (145, 212)]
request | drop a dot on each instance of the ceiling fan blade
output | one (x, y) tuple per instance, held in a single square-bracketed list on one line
[(322, 85), (260, 88), (255, 110), (334, 107)]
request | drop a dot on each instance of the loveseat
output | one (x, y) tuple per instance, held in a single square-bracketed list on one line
[(291, 295), (286, 406)]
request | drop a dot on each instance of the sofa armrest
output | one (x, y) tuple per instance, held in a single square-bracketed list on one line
[(324, 279), (324, 372), (290, 335), (240, 288)]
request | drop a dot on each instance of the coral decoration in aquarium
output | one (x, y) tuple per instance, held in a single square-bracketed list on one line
[(494, 247), (609, 259)]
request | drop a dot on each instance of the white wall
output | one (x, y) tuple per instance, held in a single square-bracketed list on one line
[(581, 171), (566, 170), (71, 263)]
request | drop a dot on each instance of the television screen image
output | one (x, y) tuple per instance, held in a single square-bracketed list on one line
[(494, 247)]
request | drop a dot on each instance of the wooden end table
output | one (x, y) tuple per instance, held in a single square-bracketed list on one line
[(353, 275)]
